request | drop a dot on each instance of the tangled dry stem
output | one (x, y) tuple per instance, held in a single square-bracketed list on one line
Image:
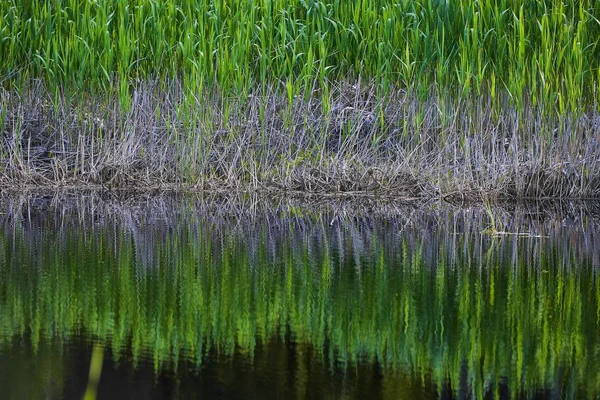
[(352, 142)]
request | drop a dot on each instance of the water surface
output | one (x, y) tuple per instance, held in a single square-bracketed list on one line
[(226, 299)]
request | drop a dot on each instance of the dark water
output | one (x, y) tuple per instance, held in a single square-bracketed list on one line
[(240, 299)]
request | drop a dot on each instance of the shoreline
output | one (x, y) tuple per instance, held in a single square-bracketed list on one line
[(243, 206), (356, 196), (241, 201)]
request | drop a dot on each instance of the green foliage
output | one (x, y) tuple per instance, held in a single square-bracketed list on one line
[(537, 51)]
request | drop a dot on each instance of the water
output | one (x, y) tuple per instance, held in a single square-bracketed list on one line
[(242, 299)]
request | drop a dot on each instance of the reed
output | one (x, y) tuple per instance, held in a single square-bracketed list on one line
[(476, 95), (543, 51), (399, 146)]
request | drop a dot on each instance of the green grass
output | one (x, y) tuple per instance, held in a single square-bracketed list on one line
[(482, 99), (537, 51)]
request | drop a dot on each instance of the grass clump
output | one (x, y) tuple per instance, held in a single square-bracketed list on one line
[(451, 99), (548, 48)]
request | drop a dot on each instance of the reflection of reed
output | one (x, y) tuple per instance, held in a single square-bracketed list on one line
[(418, 290), (91, 390), (150, 220)]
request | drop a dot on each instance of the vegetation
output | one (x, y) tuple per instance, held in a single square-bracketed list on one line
[(469, 311), (542, 51), (414, 98)]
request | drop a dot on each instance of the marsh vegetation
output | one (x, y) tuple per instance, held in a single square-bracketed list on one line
[(414, 99)]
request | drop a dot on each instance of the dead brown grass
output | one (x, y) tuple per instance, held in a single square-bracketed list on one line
[(397, 146)]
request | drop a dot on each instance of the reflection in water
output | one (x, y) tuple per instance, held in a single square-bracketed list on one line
[(193, 298)]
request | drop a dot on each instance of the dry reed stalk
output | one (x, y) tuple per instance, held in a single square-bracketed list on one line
[(401, 147)]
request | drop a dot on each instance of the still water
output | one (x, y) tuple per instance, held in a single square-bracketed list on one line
[(240, 298)]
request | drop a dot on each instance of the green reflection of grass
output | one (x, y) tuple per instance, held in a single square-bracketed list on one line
[(509, 309)]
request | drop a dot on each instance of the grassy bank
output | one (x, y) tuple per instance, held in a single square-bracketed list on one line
[(413, 99)]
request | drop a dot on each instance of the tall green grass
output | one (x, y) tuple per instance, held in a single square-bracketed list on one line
[(543, 52), (430, 302), (497, 98)]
